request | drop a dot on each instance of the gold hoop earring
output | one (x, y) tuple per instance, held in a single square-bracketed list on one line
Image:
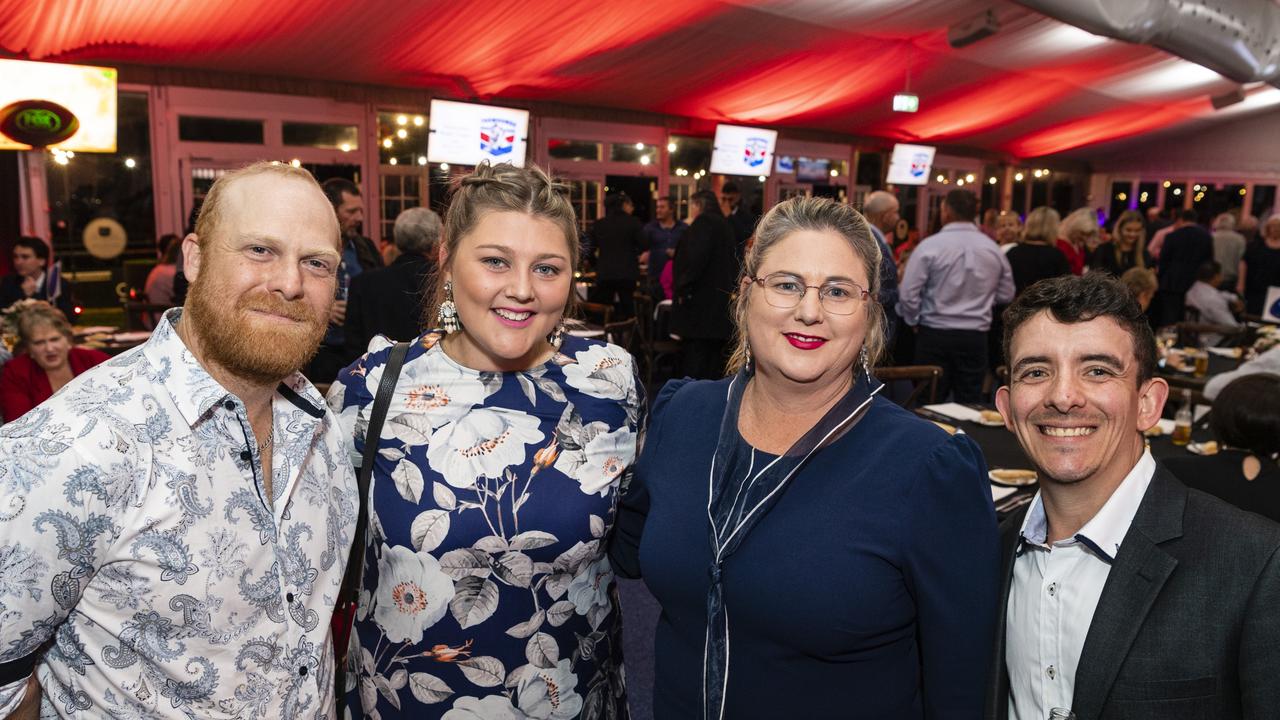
[(447, 314)]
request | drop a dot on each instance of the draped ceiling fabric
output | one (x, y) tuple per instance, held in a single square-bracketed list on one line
[(1037, 87)]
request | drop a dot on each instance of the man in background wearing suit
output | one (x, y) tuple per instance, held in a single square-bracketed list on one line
[(1127, 595), (389, 301)]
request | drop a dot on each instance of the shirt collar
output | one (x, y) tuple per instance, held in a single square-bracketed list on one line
[(1106, 529), (959, 225), (194, 391)]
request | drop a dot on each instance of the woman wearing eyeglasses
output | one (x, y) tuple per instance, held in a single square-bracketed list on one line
[(817, 551)]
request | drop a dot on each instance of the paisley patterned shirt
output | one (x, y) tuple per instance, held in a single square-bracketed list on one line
[(142, 561), (487, 593)]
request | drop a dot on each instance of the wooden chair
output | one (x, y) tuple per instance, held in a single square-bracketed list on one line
[(622, 334), (1189, 333), (598, 314), (140, 315), (924, 379), (660, 345)]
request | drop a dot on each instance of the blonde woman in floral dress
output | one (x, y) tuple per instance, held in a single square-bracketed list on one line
[(487, 593)]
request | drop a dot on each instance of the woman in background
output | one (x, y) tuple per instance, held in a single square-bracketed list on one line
[(1077, 238), (1142, 283), (817, 550), (1127, 247), (48, 362), (486, 590), (159, 285), (1035, 258), (1246, 423), (1260, 268)]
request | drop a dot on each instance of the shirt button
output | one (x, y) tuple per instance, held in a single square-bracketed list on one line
[(302, 670), (288, 597), (1053, 589), (229, 404), (1051, 671), (245, 455)]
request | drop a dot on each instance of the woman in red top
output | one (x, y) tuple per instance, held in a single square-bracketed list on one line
[(1077, 237), (48, 363)]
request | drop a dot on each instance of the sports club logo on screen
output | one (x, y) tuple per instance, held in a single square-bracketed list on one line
[(754, 151), (919, 164), (497, 136)]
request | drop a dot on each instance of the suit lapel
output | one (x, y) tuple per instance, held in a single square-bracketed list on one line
[(1136, 578), (998, 677)]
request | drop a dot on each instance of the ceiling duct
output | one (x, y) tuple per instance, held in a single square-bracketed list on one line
[(1239, 39)]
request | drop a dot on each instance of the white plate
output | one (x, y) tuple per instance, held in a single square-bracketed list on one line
[(997, 480)]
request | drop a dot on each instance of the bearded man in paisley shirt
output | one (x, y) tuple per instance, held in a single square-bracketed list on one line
[(175, 523)]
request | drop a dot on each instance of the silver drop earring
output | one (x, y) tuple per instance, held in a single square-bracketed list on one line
[(866, 368), (447, 314), (557, 336)]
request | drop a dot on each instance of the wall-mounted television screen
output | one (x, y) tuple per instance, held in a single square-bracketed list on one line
[(467, 134), (910, 164), (813, 170), (739, 150), (70, 107)]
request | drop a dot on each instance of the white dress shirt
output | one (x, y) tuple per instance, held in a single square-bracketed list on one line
[(1214, 307), (1055, 590), (137, 535)]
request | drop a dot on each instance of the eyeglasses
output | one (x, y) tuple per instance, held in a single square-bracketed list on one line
[(784, 291)]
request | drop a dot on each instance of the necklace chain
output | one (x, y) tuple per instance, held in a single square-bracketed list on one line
[(265, 445)]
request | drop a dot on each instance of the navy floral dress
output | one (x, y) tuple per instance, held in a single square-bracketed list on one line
[(487, 592)]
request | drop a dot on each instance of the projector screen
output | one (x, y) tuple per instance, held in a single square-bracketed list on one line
[(72, 105), (466, 134), (910, 164), (743, 150)]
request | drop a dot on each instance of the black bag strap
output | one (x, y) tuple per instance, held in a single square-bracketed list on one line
[(377, 416)]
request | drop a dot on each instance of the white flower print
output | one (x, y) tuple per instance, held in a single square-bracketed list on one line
[(434, 387), (589, 589), (413, 593), (602, 371), (493, 707), (481, 444), (551, 694), (601, 461)]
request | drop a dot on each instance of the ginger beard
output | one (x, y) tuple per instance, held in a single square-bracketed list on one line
[(249, 347)]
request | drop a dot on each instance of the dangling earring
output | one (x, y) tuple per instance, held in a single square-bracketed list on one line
[(557, 336), (750, 365), (447, 314), (866, 368)]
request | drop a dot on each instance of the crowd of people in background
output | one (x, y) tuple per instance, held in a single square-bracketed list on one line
[(448, 366)]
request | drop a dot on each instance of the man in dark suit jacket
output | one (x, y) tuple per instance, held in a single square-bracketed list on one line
[(705, 275), (30, 278), (359, 254), (1184, 251), (389, 301), (1126, 595), (617, 239)]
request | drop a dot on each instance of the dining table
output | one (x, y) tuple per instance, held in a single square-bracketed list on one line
[(1002, 451)]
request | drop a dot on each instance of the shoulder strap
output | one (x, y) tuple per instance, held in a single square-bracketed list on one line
[(381, 402)]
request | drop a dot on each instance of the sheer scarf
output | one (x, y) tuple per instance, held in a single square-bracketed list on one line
[(740, 494)]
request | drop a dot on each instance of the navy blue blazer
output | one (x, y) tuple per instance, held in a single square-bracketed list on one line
[(868, 591)]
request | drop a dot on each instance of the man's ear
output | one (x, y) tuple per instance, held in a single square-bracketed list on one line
[(191, 257), (1151, 399), (1002, 404)]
